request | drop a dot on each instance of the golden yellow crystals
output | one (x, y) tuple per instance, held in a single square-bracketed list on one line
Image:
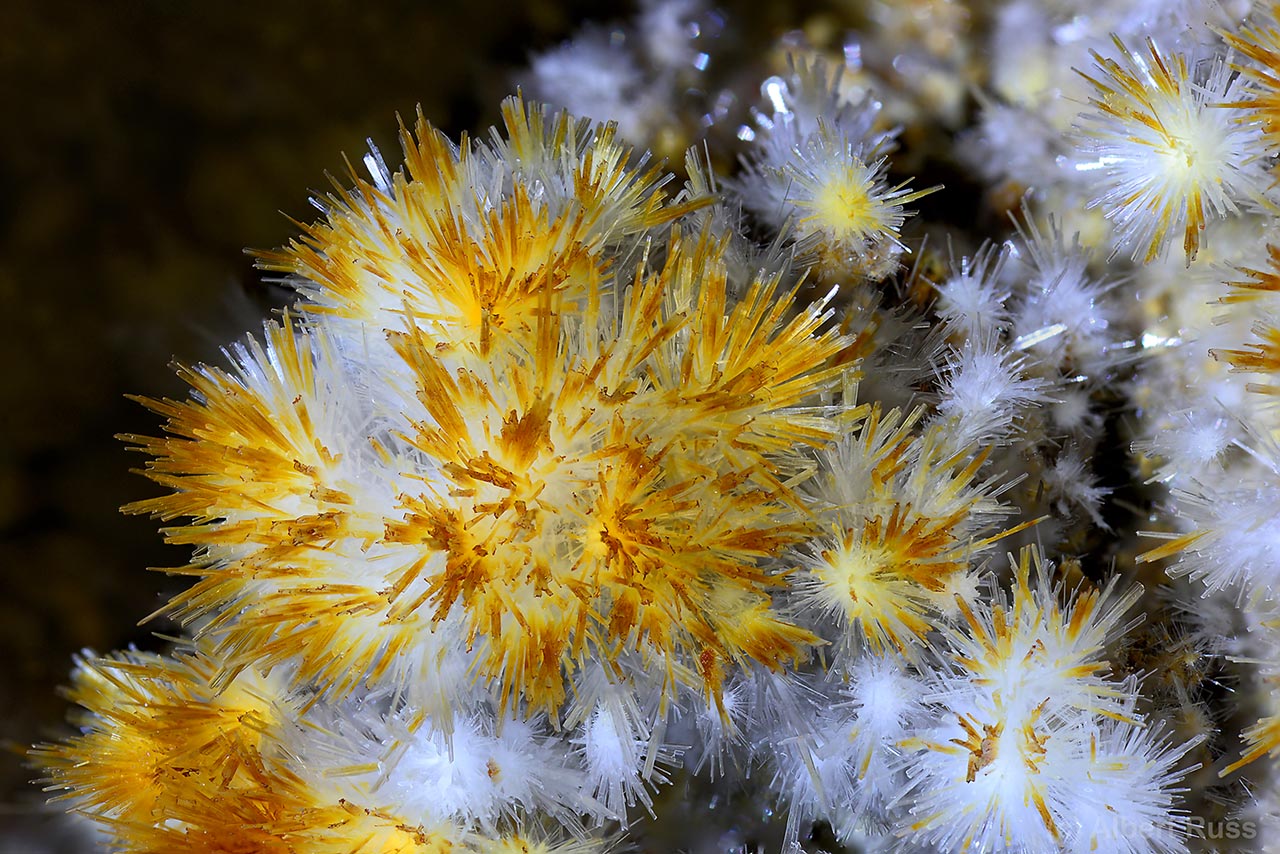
[(845, 202), (617, 491), (286, 475), (160, 745), (1058, 649), (1259, 45), (1037, 743), (1257, 293), (1168, 147), (522, 432), (470, 239), (904, 521)]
